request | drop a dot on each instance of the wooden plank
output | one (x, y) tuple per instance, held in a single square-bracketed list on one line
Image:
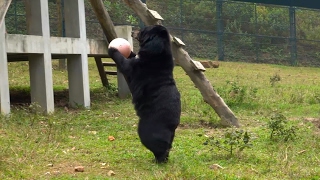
[(111, 72), (112, 64), (4, 5)]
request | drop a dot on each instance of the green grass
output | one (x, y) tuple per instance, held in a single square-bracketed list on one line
[(35, 146)]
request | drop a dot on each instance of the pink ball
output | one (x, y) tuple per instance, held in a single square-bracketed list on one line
[(122, 45)]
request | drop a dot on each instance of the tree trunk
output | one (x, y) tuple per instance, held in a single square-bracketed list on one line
[(104, 19)]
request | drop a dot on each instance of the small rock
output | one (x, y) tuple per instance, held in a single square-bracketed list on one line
[(79, 169), (56, 172), (50, 165), (111, 173)]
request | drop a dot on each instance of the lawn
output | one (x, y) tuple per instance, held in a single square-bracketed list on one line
[(36, 146)]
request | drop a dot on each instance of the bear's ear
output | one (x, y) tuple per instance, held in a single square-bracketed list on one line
[(164, 33)]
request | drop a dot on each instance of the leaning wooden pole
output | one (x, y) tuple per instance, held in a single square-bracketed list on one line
[(4, 5), (210, 96), (104, 19)]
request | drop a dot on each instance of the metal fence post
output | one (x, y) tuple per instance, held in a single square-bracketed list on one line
[(256, 32), (219, 30), (293, 35), (181, 20), (141, 24), (15, 17)]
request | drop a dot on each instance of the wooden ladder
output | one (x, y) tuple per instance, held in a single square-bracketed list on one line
[(103, 72)]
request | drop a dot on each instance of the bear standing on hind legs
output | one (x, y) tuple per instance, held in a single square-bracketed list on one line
[(155, 96)]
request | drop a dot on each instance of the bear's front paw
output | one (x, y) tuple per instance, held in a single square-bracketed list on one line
[(112, 51), (132, 54)]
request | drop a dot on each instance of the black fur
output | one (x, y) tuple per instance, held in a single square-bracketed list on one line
[(155, 96)]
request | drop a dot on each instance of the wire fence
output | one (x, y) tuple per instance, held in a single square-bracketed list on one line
[(211, 29)]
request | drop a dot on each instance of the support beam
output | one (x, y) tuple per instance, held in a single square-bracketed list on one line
[(22, 44), (4, 5), (59, 4), (123, 88), (40, 65), (4, 82), (77, 65)]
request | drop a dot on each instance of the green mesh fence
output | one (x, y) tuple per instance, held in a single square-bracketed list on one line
[(211, 29)]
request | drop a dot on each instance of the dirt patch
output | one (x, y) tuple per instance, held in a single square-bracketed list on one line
[(22, 98), (315, 121)]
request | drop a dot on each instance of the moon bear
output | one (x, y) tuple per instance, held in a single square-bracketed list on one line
[(155, 96)]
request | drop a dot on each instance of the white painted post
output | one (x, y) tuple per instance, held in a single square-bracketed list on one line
[(40, 65), (4, 82), (4, 5), (77, 65), (123, 89)]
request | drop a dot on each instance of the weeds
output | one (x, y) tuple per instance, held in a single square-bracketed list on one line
[(236, 94), (274, 79), (280, 128), (233, 140)]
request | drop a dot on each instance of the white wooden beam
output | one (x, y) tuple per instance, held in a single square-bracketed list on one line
[(40, 65), (78, 75), (18, 43), (4, 5), (4, 82), (123, 88)]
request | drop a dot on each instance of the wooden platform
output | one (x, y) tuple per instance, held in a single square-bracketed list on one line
[(19, 46), (39, 48)]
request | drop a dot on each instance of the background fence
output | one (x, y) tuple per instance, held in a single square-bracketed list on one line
[(211, 29)]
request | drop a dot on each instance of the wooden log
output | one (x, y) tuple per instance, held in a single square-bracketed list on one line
[(104, 19), (4, 5), (182, 57)]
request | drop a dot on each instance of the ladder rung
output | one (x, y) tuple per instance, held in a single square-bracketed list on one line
[(109, 64), (111, 72)]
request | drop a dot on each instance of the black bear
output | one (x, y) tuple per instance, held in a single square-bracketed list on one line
[(154, 93)]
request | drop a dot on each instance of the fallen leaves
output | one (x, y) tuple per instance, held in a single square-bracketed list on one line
[(111, 138), (92, 132), (303, 151), (216, 167)]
